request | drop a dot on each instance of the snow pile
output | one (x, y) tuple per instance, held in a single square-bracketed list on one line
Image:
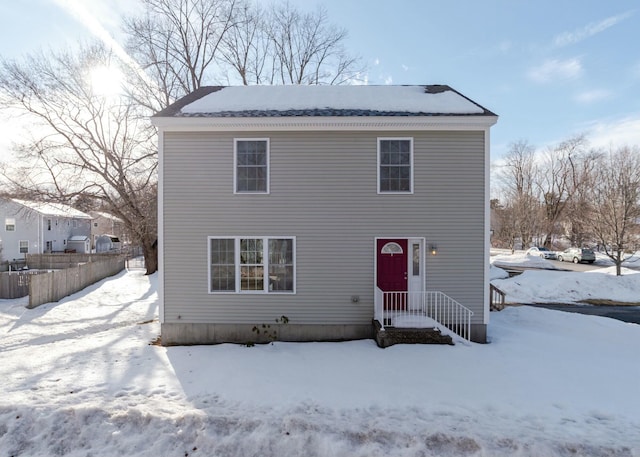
[(80, 379), (520, 259), (497, 273), (535, 286)]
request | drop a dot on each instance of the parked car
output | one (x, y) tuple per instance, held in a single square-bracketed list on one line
[(541, 252), (577, 255)]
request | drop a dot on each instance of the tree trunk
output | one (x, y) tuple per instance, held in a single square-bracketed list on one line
[(150, 252)]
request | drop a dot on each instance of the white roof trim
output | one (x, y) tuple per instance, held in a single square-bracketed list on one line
[(310, 123)]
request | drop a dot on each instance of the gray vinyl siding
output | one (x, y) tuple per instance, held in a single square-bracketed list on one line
[(26, 229), (323, 191)]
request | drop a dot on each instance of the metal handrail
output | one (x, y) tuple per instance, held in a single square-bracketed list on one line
[(414, 308)]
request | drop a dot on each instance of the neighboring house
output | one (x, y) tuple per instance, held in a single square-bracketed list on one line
[(35, 227), (330, 205), (104, 223)]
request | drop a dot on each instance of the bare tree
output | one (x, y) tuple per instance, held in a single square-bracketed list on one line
[(176, 42), (521, 205), (615, 203), (559, 177), (246, 48), (307, 49), (83, 142), (184, 44)]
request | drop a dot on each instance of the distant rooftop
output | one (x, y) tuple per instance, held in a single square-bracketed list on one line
[(295, 101), (52, 209), (105, 215)]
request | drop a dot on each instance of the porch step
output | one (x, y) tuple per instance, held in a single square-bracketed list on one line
[(395, 335)]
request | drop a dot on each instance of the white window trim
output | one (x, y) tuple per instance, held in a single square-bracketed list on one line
[(236, 249), (386, 192), (235, 166), (10, 222), (20, 246)]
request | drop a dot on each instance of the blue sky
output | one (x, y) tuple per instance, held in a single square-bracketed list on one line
[(549, 69)]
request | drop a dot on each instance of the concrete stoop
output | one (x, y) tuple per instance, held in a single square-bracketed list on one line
[(392, 335)]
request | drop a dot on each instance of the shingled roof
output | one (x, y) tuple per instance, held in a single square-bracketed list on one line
[(323, 101)]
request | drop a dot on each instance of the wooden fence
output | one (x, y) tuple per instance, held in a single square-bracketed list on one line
[(59, 261), (15, 284), (52, 286)]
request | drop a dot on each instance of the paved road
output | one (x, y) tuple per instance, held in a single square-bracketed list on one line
[(575, 266), (622, 313)]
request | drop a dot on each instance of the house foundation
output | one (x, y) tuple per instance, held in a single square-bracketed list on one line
[(197, 333)]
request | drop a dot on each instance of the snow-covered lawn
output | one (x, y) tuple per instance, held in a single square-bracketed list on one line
[(79, 378), (543, 285)]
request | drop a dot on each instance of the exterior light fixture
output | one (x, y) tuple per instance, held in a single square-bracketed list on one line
[(434, 249)]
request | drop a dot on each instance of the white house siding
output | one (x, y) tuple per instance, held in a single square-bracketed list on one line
[(32, 226), (323, 191), (26, 229)]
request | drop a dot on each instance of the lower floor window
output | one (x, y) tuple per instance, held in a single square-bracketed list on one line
[(252, 264), (24, 247)]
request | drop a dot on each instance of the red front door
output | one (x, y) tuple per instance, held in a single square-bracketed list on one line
[(392, 270)]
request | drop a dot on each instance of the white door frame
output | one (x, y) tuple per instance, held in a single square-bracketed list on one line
[(415, 282)]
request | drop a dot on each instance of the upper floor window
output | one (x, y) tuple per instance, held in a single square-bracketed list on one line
[(251, 163), (48, 224), (395, 165), (10, 224)]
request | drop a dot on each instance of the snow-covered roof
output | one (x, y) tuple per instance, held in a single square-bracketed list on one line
[(294, 100), (52, 209), (102, 214), (79, 238)]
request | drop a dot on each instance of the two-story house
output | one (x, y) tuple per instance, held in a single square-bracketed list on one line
[(106, 226), (335, 206), (36, 227)]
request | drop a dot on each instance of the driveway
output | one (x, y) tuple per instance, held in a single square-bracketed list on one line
[(576, 266), (629, 314)]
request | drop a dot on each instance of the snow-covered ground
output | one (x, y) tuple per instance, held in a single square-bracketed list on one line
[(548, 286), (79, 378)]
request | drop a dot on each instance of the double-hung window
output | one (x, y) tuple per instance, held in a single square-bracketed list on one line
[(10, 224), (252, 264), (24, 246), (251, 163), (395, 165)]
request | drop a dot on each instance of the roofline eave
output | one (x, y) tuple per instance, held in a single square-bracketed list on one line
[(313, 123)]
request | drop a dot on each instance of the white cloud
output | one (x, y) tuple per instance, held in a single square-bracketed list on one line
[(614, 132), (592, 96), (568, 38), (555, 69), (388, 80), (376, 61), (405, 67)]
